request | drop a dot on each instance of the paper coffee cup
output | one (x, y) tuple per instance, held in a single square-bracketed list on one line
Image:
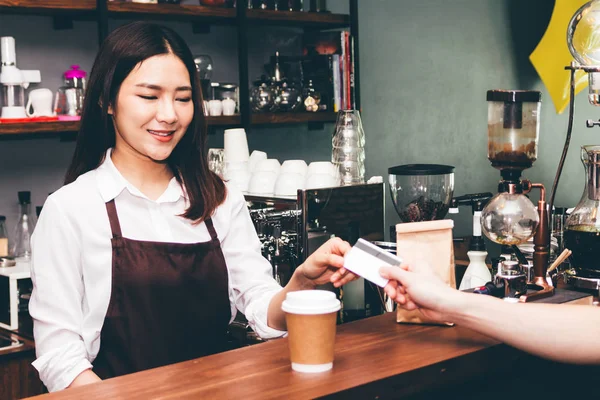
[(311, 321)]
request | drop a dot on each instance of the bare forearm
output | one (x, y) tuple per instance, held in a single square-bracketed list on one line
[(85, 378), (276, 316), (568, 333)]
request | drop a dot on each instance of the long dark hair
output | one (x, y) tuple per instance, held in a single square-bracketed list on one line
[(122, 50)]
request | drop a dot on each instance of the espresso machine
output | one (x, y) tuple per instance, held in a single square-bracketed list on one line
[(292, 228)]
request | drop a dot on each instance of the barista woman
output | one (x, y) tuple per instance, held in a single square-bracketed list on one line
[(144, 256), (568, 333)]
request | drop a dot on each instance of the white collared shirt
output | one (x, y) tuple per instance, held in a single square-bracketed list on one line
[(72, 263)]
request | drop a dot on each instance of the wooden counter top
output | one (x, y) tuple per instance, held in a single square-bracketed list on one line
[(374, 356)]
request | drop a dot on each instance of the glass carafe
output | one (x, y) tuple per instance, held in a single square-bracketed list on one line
[(582, 231), (513, 128)]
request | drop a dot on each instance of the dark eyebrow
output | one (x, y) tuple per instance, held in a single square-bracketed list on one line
[(156, 87)]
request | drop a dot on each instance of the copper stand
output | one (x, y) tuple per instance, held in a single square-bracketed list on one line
[(541, 254), (541, 239)]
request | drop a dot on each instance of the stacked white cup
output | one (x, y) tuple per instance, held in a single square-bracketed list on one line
[(321, 174), (236, 158), (291, 178)]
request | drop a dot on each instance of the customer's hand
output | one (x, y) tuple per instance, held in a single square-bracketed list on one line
[(326, 264), (417, 287)]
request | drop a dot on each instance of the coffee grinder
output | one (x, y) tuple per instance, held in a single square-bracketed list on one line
[(510, 218), (420, 192), (14, 81)]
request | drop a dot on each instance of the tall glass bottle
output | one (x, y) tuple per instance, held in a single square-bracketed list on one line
[(21, 249)]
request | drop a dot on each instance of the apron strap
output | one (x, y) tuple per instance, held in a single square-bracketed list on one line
[(115, 226), (211, 229)]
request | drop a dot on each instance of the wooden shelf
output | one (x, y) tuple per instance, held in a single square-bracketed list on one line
[(299, 18), (292, 118), (118, 9), (48, 6), (73, 126), (224, 120), (39, 127)]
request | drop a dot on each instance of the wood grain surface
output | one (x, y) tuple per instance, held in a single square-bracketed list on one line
[(373, 357), (55, 5)]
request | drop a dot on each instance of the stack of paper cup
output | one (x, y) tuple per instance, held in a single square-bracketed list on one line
[(236, 158)]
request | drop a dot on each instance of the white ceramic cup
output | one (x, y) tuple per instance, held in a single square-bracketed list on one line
[(268, 165), (239, 178), (215, 108), (318, 181), (321, 167), (288, 183), (40, 103), (255, 157), (236, 145), (294, 167), (262, 183), (228, 106)]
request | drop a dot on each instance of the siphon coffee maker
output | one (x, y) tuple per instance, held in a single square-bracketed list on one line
[(582, 230), (582, 233), (510, 218)]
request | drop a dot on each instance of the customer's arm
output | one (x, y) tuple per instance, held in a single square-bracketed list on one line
[(568, 333)]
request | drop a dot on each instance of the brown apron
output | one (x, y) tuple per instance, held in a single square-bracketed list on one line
[(169, 302)]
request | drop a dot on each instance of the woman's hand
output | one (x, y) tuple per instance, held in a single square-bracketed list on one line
[(326, 265), (417, 287)]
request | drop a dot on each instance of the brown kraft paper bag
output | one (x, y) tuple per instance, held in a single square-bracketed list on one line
[(426, 242)]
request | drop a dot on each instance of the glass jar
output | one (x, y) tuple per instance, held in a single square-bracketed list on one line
[(582, 231), (513, 128), (421, 192)]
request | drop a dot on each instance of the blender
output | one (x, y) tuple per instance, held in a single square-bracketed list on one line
[(14, 81)]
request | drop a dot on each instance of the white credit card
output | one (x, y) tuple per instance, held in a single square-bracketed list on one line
[(365, 259)]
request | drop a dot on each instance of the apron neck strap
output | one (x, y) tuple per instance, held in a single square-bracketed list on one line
[(115, 226), (211, 228)]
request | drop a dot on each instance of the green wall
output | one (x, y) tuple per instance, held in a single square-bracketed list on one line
[(425, 69)]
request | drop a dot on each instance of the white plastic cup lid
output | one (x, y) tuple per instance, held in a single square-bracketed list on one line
[(311, 302)]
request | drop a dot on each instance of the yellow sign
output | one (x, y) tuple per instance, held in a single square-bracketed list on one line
[(552, 55)]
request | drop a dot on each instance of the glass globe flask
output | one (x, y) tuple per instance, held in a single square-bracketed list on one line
[(583, 40), (509, 219)]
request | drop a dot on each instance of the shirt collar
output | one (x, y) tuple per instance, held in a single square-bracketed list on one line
[(111, 183)]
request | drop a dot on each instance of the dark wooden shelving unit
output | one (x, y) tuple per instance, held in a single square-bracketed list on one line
[(292, 118), (117, 9), (301, 19), (241, 18)]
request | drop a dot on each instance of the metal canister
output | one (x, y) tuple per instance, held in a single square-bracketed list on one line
[(513, 279)]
